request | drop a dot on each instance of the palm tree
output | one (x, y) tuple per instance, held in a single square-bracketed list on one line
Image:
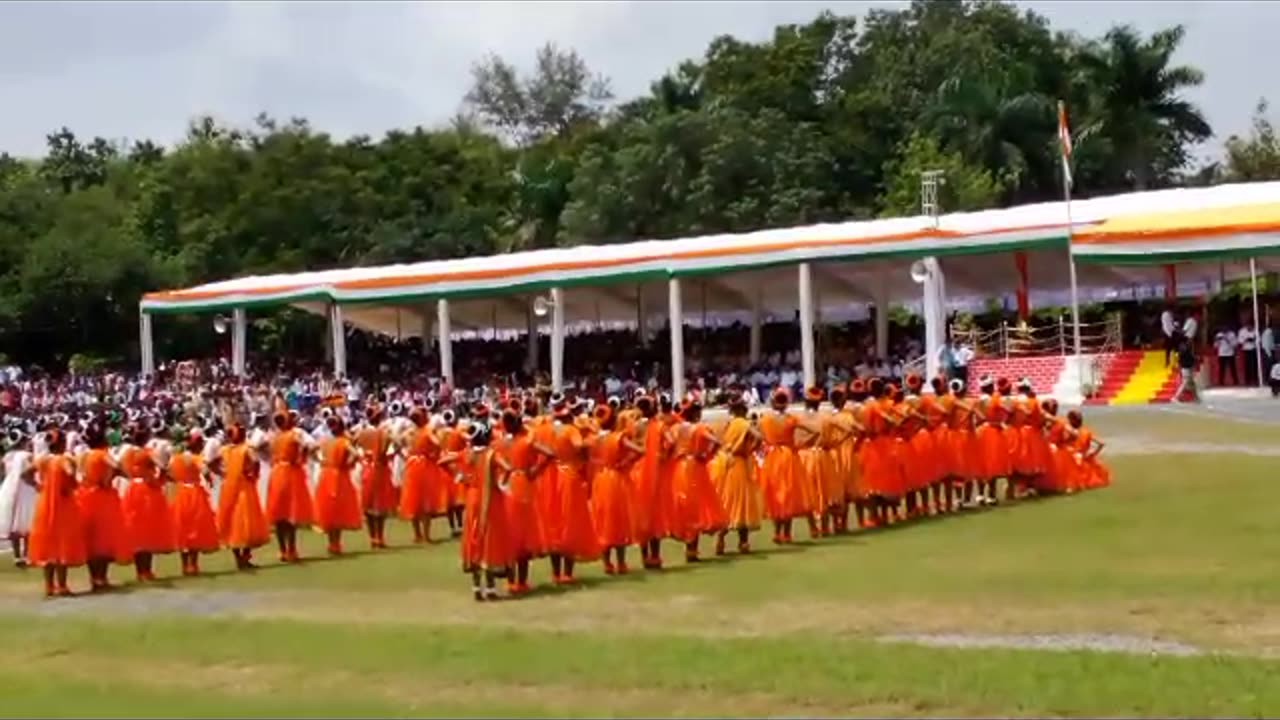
[(1136, 103), (998, 125)]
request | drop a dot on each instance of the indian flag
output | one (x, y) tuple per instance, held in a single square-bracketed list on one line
[(1064, 138)]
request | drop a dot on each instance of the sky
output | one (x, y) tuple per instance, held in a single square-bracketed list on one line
[(133, 70)]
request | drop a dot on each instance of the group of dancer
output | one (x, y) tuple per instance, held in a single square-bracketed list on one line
[(534, 477)]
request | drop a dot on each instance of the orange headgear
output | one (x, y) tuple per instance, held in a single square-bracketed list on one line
[(602, 413), (914, 382), (814, 394), (780, 398)]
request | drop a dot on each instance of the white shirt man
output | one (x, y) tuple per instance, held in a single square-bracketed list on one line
[(1248, 343), (1225, 342), (1189, 328), (789, 379)]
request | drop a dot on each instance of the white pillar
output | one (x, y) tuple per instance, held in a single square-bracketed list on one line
[(444, 333), (146, 349), (239, 334), (557, 339), (935, 317), (338, 336), (675, 309), (531, 338), (882, 315), (806, 326), (757, 326), (1257, 323)]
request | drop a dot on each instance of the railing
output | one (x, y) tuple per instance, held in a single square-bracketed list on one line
[(1009, 341)]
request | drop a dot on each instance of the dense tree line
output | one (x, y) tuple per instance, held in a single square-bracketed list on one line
[(829, 120)]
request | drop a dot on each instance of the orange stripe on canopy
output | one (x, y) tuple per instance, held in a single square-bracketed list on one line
[(1187, 224)]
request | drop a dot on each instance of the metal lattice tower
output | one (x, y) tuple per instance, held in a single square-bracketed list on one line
[(930, 180)]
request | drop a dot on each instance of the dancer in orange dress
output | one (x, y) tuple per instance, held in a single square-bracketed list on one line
[(106, 535), (698, 508), (529, 535), (1032, 461), (574, 539), (919, 454), (815, 462), (610, 496), (966, 455), (146, 509), (842, 443), (1093, 474), (995, 458), (781, 471), (733, 472), (424, 494), (487, 547), (194, 525), (860, 488), (337, 507), (654, 501), (288, 496), (377, 492), (937, 413), (242, 525), (57, 540), (453, 436), (1062, 476), (879, 457)]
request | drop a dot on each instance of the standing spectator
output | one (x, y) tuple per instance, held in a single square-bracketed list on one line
[(1189, 328), (1169, 327), (1187, 368), (1275, 380), (961, 355), (1225, 342), (1248, 342)]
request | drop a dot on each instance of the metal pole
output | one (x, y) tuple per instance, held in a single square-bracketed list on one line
[(1004, 337), (1062, 335), (1257, 334), (445, 334)]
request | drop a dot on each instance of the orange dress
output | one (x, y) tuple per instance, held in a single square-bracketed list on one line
[(425, 490), (841, 444), (966, 450), (546, 488), (733, 474), (487, 543), (699, 507), (1033, 448), (455, 441), (575, 536), (146, 509), (106, 535), (995, 459), (1062, 475), (336, 504), (377, 492), (816, 469), (288, 497), (610, 494), (241, 522), (928, 444), (1093, 474), (528, 532), (781, 473), (57, 535), (194, 526), (879, 461)]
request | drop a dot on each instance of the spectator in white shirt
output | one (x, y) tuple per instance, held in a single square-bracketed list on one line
[(1189, 327), (1225, 342), (1275, 380), (1249, 354), (1169, 326), (1268, 349)]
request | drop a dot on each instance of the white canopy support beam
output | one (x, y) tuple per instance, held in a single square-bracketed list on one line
[(557, 339), (239, 336), (807, 359), (675, 309), (146, 346), (338, 338), (935, 317), (444, 333)]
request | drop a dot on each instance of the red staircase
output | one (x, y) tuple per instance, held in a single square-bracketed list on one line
[(1042, 370), (1116, 369)]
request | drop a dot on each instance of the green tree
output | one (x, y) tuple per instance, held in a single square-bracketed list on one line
[(1257, 156), (965, 187)]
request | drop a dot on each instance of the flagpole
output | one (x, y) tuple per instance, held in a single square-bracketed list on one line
[(1064, 139)]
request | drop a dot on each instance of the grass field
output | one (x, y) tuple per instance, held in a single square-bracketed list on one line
[(1182, 549)]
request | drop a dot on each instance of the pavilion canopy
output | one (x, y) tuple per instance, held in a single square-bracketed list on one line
[(1120, 240)]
